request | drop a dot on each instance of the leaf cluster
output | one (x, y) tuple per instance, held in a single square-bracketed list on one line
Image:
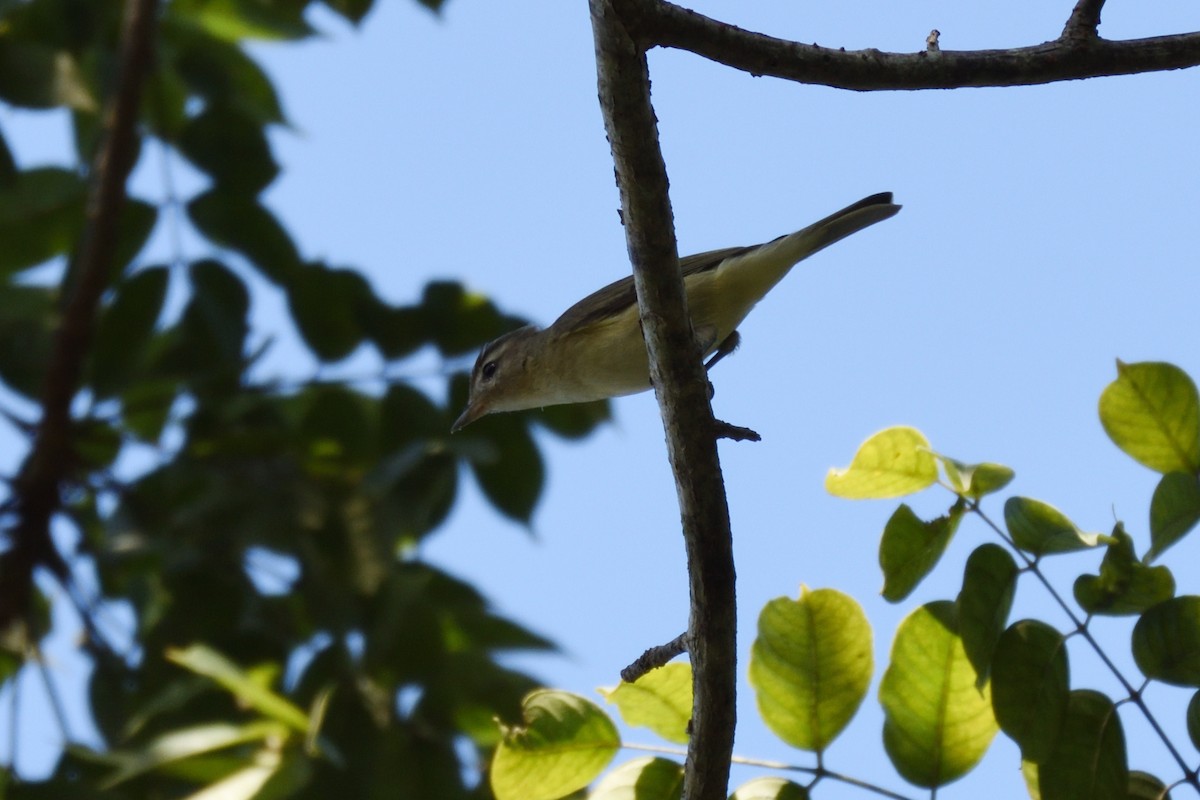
[(246, 547), (959, 670)]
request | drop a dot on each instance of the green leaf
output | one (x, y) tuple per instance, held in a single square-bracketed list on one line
[(911, 547), (1174, 510), (1193, 720), (770, 788), (186, 743), (810, 666), (36, 76), (214, 322), (231, 147), (338, 429), (238, 221), (124, 329), (989, 582), (396, 332), (894, 462), (1042, 529), (1166, 641), (1124, 585), (641, 779), (1030, 686), (574, 420), (28, 317), (211, 664), (660, 700), (234, 20), (1152, 412), (270, 775), (512, 478), (41, 216), (352, 10), (1088, 761), (223, 74), (460, 320), (938, 722), (974, 481), (1144, 786), (565, 742), (326, 306)]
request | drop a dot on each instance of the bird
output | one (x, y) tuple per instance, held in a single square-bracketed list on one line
[(595, 350)]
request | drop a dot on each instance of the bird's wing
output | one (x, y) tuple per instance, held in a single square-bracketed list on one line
[(621, 295)]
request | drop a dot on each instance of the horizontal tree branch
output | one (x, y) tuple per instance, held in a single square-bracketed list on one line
[(1074, 55)]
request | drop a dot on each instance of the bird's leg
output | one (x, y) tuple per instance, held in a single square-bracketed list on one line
[(727, 346)]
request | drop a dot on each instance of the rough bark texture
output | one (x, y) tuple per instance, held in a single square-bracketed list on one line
[(681, 387)]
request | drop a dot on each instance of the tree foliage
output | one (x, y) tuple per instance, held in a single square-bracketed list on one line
[(258, 535), (960, 671)]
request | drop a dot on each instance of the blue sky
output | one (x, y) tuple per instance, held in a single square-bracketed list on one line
[(1046, 231)]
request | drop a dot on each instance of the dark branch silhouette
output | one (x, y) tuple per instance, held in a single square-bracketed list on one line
[(51, 460)]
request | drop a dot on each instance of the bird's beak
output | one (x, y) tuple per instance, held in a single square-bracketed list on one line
[(472, 412)]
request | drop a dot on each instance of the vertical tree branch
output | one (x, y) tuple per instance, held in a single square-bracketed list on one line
[(49, 462), (682, 391)]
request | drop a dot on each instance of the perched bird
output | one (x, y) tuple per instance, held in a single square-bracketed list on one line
[(595, 349)]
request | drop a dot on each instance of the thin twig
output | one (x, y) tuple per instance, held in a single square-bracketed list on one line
[(655, 657)]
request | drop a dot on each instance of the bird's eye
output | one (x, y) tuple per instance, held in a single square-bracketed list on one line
[(489, 370)]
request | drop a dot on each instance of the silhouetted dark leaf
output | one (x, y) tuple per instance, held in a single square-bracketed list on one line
[(231, 148), (236, 220), (325, 305), (41, 214), (124, 329)]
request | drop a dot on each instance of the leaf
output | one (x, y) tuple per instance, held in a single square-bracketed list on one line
[(1193, 720), (1152, 412), (810, 666), (41, 215), (660, 700), (574, 420), (270, 775), (238, 221), (894, 462), (460, 320), (230, 147), (214, 322), (974, 481), (1030, 686), (124, 329), (326, 305), (989, 582), (1166, 641), (1124, 585), (1174, 510), (1144, 786), (211, 664), (186, 743), (512, 480), (234, 20), (938, 722), (352, 10), (34, 75), (223, 74), (565, 742), (641, 779), (770, 788), (1042, 529), (28, 317), (911, 547), (1088, 761)]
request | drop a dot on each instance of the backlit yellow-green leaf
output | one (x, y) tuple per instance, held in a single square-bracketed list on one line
[(811, 665), (894, 462), (1152, 412), (641, 779), (660, 700), (563, 744), (938, 722)]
